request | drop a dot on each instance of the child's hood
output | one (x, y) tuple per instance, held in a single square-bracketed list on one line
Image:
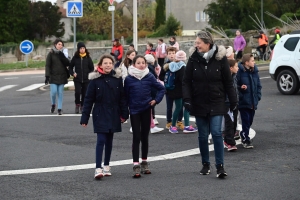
[(117, 73)]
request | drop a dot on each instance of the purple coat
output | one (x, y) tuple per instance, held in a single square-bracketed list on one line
[(239, 43)]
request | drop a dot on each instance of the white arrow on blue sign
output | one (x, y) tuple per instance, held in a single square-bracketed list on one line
[(74, 9), (26, 47)]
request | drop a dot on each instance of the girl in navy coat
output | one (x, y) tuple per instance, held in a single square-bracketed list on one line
[(138, 86), (105, 95)]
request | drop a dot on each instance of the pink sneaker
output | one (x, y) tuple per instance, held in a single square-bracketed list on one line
[(189, 129), (173, 129)]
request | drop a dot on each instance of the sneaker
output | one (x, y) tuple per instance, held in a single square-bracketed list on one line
[(168, 125), (106, 170), (237, 135), (248, 145), (52, 109), (180, 125), (125, 122), (77, 106), (59, 112), (145, 168), (173, 129), (231, 148), (205, 169), (98, 173), (155, 129), (136, 171), (189, 129), (220, 171), (155, 121)]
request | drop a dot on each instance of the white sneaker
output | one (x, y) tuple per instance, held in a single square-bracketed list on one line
[(155, 121), (98, 173), (125, 122), (155, 129), (106, 170), (130, 129)]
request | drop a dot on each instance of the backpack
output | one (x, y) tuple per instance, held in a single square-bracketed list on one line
[(169, 80)]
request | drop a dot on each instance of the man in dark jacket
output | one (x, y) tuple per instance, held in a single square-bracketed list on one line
[(206, 82), (248, 84)]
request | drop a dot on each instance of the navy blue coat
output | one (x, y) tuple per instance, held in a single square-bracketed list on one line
[(106, 94), (138, 92), (250, 97)]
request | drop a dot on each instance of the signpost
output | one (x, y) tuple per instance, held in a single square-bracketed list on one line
[(26, 47), (112, 9), (74, 9)]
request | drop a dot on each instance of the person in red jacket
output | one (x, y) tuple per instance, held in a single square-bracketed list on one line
[(117, 52)]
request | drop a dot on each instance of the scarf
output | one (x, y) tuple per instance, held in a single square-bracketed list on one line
[(208, 54), (55, 50), (137, 73), (171, 43), (175, 66), (82, 55)]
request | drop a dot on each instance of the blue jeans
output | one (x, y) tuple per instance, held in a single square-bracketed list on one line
[(247, 116), (206, 125), (169, 102), (103, 139), (58, 90)]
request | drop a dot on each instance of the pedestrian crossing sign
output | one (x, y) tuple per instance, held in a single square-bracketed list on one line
[(74, 9)]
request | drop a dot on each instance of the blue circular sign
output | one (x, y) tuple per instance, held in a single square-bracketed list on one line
[(26, 47)]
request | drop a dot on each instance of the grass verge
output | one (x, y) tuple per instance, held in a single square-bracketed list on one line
[(22, 65)]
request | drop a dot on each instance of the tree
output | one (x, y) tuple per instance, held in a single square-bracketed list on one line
[(45, 21), (172, 25), (232, 14), (160, 13)]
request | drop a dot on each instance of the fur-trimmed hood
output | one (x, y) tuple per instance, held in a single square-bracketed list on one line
[(218, 54), (115, 73)]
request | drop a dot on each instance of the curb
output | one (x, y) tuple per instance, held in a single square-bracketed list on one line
[(21, 70)]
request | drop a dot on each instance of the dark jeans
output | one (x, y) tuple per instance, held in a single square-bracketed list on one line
[(263, 47), (239, 55), (153, 112), (80, 91), (103, 139), (229, 130), (247, 116), (169, 102), (117, 64), (161, 62), (140, 124)]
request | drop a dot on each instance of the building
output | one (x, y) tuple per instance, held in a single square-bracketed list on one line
[(191, 14)]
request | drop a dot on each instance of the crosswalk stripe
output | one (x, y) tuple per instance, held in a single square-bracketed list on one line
[(32, 87), (6, 87)]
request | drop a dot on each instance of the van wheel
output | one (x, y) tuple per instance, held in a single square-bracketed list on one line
[(287, 82)]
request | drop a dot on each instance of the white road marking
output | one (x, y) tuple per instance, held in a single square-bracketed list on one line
[(175, 155), (12, 78), (265, 77), (6, 87), (37, 77), (32, 87)]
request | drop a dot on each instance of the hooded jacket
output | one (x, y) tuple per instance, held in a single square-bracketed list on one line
[(178, 68), (250, 97), (82, 67), (105, 95), (206, 83)]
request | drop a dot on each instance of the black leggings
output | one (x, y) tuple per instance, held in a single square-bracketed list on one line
[(80, 90), (140, 124)]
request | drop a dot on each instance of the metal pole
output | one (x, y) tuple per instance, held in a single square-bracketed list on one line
[(74, 27), (262, 11), (26, 59), (112, 25), (135, 35)]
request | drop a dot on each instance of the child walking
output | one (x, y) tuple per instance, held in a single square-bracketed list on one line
[(138, 86), (231, 121), (105, 95), (176, 69)]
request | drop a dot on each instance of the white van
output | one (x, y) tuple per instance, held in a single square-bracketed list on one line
[(285, 63)]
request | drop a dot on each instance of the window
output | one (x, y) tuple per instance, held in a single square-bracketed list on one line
[(291, 43), (197, 16), (203, 16)]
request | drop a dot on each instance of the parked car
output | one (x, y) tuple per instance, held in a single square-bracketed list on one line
[(285, 63)]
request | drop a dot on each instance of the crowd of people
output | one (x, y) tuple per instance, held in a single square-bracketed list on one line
[(214, 84)]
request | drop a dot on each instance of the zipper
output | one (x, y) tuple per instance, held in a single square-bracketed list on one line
[(81, 71)]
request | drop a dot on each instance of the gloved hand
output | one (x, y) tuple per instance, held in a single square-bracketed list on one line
[(232, 107), (47, 80), (188, 106)]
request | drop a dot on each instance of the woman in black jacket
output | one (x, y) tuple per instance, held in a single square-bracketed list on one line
[(206, 82), (80, 67)]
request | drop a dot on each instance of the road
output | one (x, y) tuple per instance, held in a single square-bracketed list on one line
[(34, 141)]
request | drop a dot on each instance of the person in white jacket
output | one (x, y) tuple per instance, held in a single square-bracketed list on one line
[(130, 54)]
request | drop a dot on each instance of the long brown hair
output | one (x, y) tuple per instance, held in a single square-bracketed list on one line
[(127, 61)]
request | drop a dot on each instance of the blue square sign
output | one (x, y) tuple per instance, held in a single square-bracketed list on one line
[(74, 9)]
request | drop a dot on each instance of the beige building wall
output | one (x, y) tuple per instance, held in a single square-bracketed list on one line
[(189, 13)]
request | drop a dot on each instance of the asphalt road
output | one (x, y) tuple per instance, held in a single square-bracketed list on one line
[(33, 141)]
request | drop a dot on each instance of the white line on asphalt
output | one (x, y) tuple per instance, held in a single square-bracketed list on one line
[(112, 163), (6, 87), (12, 78), (37, 76), (264, 77), (31, 87)]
